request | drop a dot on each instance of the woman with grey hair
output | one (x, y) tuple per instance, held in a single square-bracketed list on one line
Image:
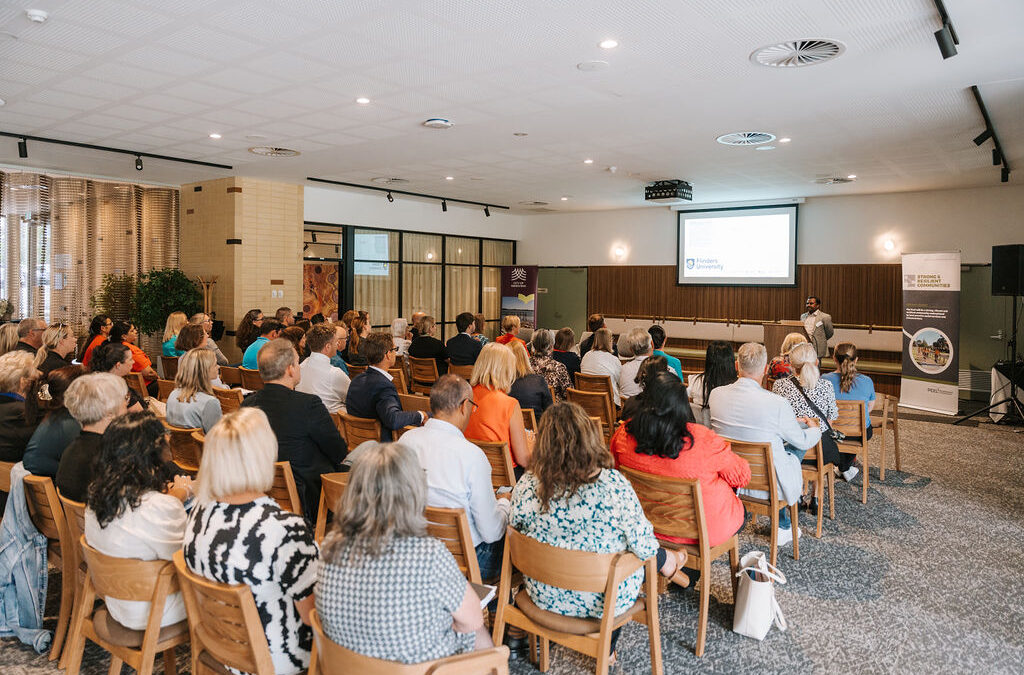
[(555, 374), (637, 345), (378, 543), (400, 335)]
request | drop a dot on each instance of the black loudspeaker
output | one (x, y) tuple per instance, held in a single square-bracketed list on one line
[(1008, 269)]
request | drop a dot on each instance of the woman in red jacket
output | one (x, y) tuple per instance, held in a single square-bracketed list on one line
[(662, 438)]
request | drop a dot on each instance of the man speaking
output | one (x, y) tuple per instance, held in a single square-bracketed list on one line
[(818, 325)]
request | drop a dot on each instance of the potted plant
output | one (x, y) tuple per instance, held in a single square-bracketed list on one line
[(160, 292), (6, 310), (115, 296)]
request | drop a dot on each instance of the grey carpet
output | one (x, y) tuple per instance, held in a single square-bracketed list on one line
[(924, 578)]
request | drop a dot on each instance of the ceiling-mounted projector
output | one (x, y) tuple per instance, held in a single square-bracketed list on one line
[(669, 192)]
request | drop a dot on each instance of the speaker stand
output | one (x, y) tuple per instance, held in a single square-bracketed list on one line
[(1014, 415)]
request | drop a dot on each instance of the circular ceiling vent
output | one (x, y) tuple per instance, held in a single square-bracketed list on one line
[(269, 151), (386, 180), (833, 180), (528, 203), (798, 53), (746, 138), (438, 123)]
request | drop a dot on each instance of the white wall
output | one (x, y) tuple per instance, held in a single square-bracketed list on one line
[(832, 230)]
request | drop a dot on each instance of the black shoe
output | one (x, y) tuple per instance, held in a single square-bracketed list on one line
[(518, 647)]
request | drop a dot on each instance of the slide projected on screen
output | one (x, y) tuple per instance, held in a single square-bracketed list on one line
[(752, 246)]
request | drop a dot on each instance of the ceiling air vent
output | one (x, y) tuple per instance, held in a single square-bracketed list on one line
[(798, 53), (833, 180), (389, 180), (533, 204), (268, 151), (746, 138)]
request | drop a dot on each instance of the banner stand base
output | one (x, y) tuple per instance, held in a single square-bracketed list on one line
[(1014, 415)]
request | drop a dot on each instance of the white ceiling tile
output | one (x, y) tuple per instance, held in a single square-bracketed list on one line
[(170, 104), (65, 99), (198, 39), (127, 75), (264, 24), (85, 86), (244, 81), (203, 93), (163, 60), (120, 16), (24, 52)]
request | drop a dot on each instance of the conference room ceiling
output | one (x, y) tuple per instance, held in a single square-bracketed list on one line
[(159, 76)]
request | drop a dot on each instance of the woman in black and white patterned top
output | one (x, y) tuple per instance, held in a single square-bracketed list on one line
[(386, 589), (238, 535)]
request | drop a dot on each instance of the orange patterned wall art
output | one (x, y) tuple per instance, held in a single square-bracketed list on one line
[(320, 290)]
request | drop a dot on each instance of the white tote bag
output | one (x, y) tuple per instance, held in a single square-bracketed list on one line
[(756, 607)]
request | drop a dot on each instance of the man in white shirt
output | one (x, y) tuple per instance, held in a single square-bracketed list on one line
[(458, 473), (745, 411), (318, 375)]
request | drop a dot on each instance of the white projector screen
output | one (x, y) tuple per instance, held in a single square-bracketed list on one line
[(754, 246)]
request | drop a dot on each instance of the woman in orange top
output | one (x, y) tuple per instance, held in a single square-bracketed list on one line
[(510, 328), (99, 329), (497, 416), (126, 333), (662, 439)]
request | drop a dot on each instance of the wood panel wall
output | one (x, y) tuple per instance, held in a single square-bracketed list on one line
[(858, 294)]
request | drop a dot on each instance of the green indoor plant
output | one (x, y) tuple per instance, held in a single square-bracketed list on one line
[(160, 292), (115, 297)]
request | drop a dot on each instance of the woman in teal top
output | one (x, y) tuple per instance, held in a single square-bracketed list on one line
[(850, 385), (171, 329)]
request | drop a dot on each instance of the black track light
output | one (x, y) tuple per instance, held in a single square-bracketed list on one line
[(444, 205), (996, 157), (138, 162), (487, 211), (983, 136), (1005, 178), (313, 234), (946, 41), (390, 198), (23, 148)]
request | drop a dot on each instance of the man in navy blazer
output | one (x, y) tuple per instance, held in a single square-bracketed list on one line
[(372, 395), (463, 349)]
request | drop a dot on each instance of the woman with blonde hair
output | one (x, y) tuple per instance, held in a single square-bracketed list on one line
[(59, 342), (17, 404), (236, 534), (510, 325), (206, 321), (8, 337), (529, 388), (377, 544), (600, 360), (171, 329), (779, 366), (497, 416), (192, 403), (850, 385)]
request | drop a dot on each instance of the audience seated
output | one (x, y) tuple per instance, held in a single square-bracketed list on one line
[(463, 349), (386, 589), (779, 367), (595, 322), (848, 384), (572, 498), (306, 435), (719, 370), (529, 388), (126, 333), (8, 337), (372, 395), (497, 416), (744, 411), (115, 358), (341, 344), (249, 329), (510, 326), (661, 438), (565, 340), (599, 360), (479, 323), (554, 373), (57, 350), (400, 335), (99, 329), (192, 404), (285, 316), (359, 330), (30, 335), (297, 336), (634, 348), (269, 330), (458, 473), (135, 507), (426, 346), (649, 369), (58, 428), (94, 400), (206, 321), (175, 320), (658, 338), (18, 404), (319, 376), (239, 535), (414, 321), (191, 336)]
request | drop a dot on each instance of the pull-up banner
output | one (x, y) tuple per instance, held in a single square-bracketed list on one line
[(931, 332), (519, 293)]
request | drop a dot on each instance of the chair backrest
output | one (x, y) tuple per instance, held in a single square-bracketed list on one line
[(185, 451), (813, 455), (230, 399), (465, 372), (500, 459), (360, 429), (595, 405), (398, 377), (5, 476), (283, 491), (423, 374), (851, 418), (762, 470), (164, 389), (169, 364), (564, 568), (598, 383), (128, 578), (74, 523), (231, 376), (224, 621), (332, 486), (414, 402), (354, 370), (251, 379), (137, 383), (673, 505), (44, 507), (529, 419), (451, 526)]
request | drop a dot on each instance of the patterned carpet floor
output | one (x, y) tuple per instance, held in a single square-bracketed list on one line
[(924, 578)]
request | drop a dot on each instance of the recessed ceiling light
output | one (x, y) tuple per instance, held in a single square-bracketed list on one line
[(889, 245), (588, 161), (256, 137), (852, 176), (215, 136), (785, 140), (565, 199), (591, 66), (449, 177), (765, 147), (608, 44), (362, 100)]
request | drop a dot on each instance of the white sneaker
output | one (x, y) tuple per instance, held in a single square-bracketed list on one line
[(850, 473), (786, 536)]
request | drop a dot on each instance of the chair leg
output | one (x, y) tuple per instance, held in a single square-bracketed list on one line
[(831, 495), (774, 524), (654, 635), (170, 662), (545, 661), (865, 472), (896, 440), (604, 646), (67, 602), (881, 452), (794, 515), (531, 641), (115, 665), (819, 494), (76, 639), (705, 598), (734, 566)]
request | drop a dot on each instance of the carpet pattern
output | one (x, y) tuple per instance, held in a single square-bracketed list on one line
[(924, 578)]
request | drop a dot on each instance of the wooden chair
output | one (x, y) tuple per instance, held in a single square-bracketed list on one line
[(820, 473), (185, 452), (224, 624), (851, 423), (598, 383), (231, 376), (423, 375), (164, 389), (74, 521), (330, 658), (675, 508), (762, 477), (890, 420), (595, 404), (414, 402), (465, 372), (398, 377), (137, 383), (283, 491), (359, 430), (451, 527), (580, 571), (5, 476), (251, 379), (230, 399), (529, 419), (48, 516), (354, 370), (169, 364), (500, 457), (332, 485)]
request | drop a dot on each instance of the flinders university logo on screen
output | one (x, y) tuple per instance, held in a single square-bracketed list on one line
[(690, 263)]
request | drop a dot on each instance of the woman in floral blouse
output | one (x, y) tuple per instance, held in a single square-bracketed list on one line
[(542, 363)]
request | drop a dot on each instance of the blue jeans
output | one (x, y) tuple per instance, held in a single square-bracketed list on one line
[(488, 556)]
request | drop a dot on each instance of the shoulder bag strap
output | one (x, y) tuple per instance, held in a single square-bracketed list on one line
[(822, 416)]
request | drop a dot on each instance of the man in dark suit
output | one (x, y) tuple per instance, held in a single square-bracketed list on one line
[(464, 348), (306, 436), (372, 395)]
